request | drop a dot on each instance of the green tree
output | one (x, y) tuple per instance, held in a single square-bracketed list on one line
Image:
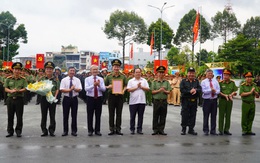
[(167, 35), (252, 29), (225, 23), (126, 27), (241, 52), (185, 30), (16, 35), (205, 57), (172, 55)]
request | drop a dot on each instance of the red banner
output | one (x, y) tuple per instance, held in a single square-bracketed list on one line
[(95, 60), (128, 68), (28, 64), (158, 63), (39, 60), (7, 64), (103, 65)]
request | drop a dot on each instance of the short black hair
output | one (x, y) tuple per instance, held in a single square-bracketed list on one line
[(137, 69), (71, 67)]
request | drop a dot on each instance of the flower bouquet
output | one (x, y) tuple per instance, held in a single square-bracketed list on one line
[(43, 88)]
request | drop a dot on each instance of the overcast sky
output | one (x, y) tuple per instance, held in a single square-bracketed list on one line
[(53, 23)]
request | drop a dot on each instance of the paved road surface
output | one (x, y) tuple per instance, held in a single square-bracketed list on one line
[(127, 148)]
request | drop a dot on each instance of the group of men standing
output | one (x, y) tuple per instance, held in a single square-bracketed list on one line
[(116, 84)]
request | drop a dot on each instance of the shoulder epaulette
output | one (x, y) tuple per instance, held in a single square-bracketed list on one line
[(244, 83)]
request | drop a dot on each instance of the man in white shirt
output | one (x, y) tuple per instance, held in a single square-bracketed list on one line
[(70, 87), (137, 87), (94, 86), (210, 89)]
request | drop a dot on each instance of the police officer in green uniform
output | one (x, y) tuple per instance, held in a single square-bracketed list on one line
[(45, 105), (228, 89), (148, 94), (15, 86), (248, 91), (190, 90), (160, 89), (115, 99)]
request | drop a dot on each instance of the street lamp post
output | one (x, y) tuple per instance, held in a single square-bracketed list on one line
[(161, 11)]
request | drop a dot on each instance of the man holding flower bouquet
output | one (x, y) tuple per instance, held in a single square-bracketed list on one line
[(45, 105)]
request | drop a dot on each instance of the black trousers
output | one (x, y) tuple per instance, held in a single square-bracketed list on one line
[(45, 107), (159, 115), (38, 99), (115, 106), (67, 105), (136, 109), (94, 106), (188, 113), (15, 106), (209, 108)]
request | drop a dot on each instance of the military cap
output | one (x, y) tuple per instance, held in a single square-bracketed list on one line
[(49, 64), (17, 65), (191, 69), (116, 62), (161, 69), (41, 70), (248, 74), (149, 72), (226, 71)]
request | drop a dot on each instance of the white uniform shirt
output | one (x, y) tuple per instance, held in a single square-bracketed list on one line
[(89, 86), (65, 84), (138, 96)]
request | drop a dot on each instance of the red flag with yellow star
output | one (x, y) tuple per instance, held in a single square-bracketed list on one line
[(95, 60)]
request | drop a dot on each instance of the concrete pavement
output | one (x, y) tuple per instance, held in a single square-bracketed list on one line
[(128, 148)]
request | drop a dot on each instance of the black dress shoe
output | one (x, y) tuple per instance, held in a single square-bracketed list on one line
[(140, 132), (183, 132), (213, 133), (244, 134), (132, 132), (111, 133), (44, 134), (220, 133), (37, 103), (9, 135), (251, 133), (155, 133), (162, 133), (52, 134), (98, 133), (227, 133), (192, 132), (74, 134), (206, 133), (119, 133), (64, 134), (90, 133), (19, 135)]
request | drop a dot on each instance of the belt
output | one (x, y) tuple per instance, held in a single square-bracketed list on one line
[(160, 100), (176, 87), (211, 99), (70, 97), (15, 97), (192, 99), (248, 102)]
